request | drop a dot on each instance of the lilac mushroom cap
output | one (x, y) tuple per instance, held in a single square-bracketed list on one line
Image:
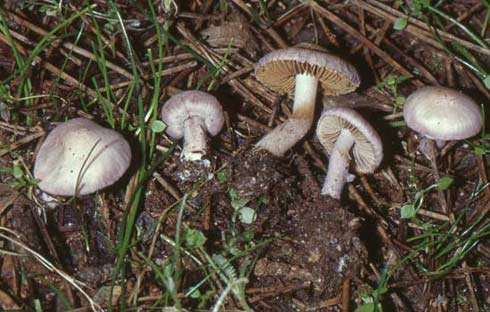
[(299, 71), (279, 68), (190, 115), (79, 150), (442, 114), (343, 132)]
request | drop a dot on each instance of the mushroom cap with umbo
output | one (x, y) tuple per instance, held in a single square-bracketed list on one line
[(367, 149), (440, 113), (189, 104), (279, 68), (81, 150)]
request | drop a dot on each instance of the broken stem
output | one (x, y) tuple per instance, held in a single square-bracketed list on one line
[(286, 135)]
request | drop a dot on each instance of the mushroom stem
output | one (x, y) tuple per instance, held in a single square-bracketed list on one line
[(304, 96), (194, 139), (338, 166), (440, 143), (286, 135)]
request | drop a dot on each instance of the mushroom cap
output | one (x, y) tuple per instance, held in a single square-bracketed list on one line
[(192, 104), (279, 68), (80, 147), (440, 113), (367, 149)]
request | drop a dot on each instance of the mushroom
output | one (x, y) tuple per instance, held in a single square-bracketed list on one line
[(442, 114), (80, 157), (299, 70), (190, 114), (342, 131)]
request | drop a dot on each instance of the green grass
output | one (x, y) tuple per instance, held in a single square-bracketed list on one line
[(99, 52), (25, 88), (431, 12)]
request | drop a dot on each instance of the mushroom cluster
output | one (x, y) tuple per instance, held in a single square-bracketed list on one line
[(298, 71)]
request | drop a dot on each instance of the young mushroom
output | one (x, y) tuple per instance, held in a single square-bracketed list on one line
[(342, 132), (442, 114), (298, 71), (189, 115), (79, 157)]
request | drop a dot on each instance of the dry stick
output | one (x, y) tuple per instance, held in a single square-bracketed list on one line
[(68, 45), (482, 209), (465, 15), (59, 73), (107, 42), (275, 109), (8, 302), (198, 17), (428, 75), (215, 60), (134, 293), (346, 27), (7, 199), (49, 266), (415, 26), (412, 164), (369, 59), (172, 70), (345, 295), (314, 307), (430, 214), (166, 72), (203, 9), (289, 14), (237, 74), (370, 191), (477, 82), (471, 289), (451, 82), (272, 33), (259, 88), (41, 226), (253, 122), (393, 116), (276, 291), (378, 38), (171, 59), (21, 142), (381, 35), (362, 204), (437, 177), (329, 33), (483, 174)]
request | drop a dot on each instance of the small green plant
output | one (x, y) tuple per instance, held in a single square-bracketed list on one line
[(391, 83), (409, 210), (245, 214), (400, 23), (483, 146), (432, 14), (21, 175), (371, 299), (447, 244)]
